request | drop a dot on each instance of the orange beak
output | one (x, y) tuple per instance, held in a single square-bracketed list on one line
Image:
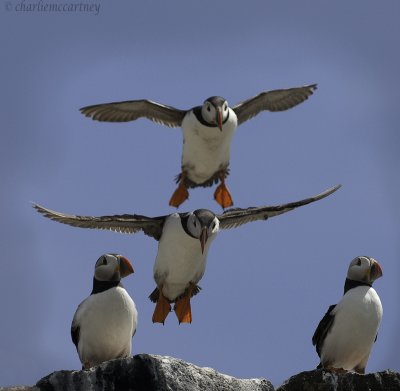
[(125, 267), (203, 238), (219, 118), (376, 271)]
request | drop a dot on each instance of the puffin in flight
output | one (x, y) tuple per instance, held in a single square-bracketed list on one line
[(207, 132), (105, 322), (345, 335), (181, 259)]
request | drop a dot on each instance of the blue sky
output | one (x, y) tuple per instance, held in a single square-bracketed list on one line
[(267, 284)]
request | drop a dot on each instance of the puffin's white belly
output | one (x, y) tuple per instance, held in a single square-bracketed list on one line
[(179, 259), (107, 322), (356, 323), (206, 150)]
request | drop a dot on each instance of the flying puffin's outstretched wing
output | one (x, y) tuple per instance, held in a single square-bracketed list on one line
[(275, 100), (126, 223), (234, 217), (131, 110)]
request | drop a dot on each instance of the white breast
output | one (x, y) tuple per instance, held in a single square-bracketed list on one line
[(356, 323), (107, 322), (179, 259), (206, 150)]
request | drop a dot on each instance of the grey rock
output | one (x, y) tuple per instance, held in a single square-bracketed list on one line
[(19, 388), (323, 380), (146, 372)]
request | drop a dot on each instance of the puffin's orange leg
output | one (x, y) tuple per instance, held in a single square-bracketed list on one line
[(180, 194), (163, 308), (222, 195), (182, 306)]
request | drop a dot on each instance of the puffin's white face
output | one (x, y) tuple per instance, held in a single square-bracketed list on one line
[(196, 227), (112, 267), (364, 269), (215, 111), (202, 225)]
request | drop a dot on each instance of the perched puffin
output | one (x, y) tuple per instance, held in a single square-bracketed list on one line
[(105, 322), (345, 335), (207, 132), (181, 259)]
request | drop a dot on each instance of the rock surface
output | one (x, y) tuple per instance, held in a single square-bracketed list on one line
[(19, 388), (146, 372), (321, 380)]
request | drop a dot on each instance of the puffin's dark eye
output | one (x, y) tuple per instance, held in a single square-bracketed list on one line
[(104, 261), (208, 108), (359, 262), (194, 223)]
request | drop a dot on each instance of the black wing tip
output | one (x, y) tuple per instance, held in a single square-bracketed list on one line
[(318, 197), (38, 207), (334, 188), (44, 211), (331, 190), (324, 194), (84, 109)]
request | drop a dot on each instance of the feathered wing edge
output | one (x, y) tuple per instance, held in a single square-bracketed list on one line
[(235, 217), (131, 110), (274, 100), (126, 223)]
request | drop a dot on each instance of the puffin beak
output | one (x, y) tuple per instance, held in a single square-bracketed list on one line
[(375, 271), (219, 118), (125, 267), (203, 238)]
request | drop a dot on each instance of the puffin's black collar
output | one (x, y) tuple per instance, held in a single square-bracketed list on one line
[(350, 284), (101, 286), (197, 113)]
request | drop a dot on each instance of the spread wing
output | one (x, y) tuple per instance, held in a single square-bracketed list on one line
[(151, 226), (275, 100), (322, 329), (235, 217), (131, 110)]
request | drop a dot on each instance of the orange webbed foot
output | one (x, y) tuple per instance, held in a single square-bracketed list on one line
[(182, 306), (222, 196), (180, 195), (183, 310), (163, 308)]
